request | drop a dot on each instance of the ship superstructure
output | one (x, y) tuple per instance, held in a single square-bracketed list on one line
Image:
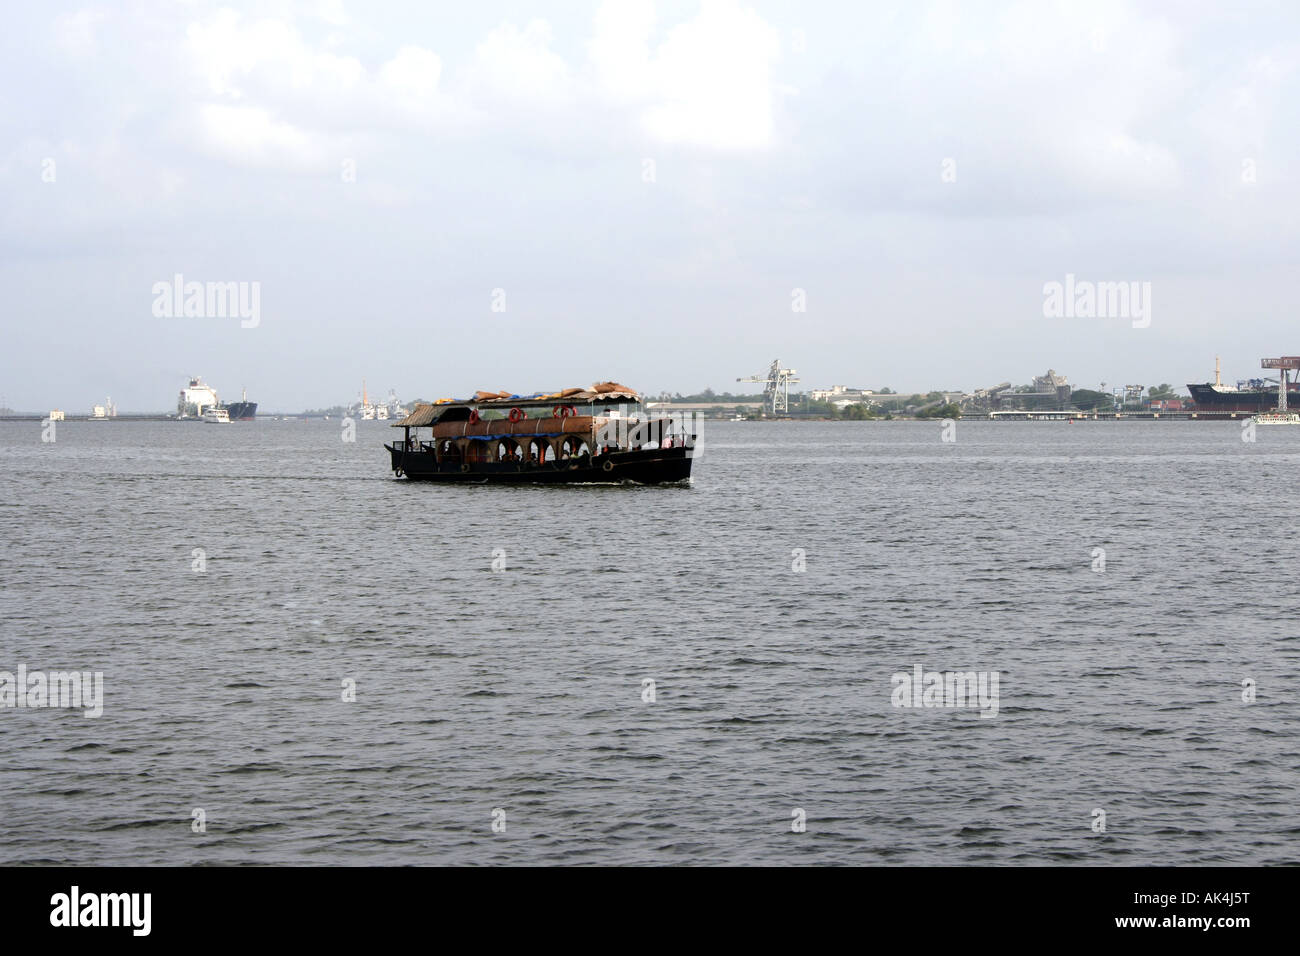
[(195, 398), (364, 410)]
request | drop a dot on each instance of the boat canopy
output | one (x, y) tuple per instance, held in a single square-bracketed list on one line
[(603, 392), (422, 416)]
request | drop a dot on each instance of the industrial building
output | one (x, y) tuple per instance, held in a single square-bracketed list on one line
[(1048, 391), (843, 395)]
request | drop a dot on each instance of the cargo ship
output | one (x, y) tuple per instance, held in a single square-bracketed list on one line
[(242, 410), (1252, 396), (196, 398), (571, 436)]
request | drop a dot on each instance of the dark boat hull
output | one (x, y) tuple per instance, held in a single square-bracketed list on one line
[(242, 411), (647, 467), (1253, 401)]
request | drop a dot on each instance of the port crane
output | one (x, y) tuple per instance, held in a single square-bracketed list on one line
[(776, 396), (1284, 364)]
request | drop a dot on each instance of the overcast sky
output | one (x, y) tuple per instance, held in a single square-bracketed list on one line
[(647, 184)]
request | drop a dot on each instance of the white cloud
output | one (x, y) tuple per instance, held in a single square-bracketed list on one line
[(709, 83), (76, 32), (520, 65), (294, 97), (413, 73), (231, 54), (332, 12), (252, 136), (619, 50)]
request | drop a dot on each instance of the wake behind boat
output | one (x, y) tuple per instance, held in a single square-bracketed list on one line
[(576, 435)]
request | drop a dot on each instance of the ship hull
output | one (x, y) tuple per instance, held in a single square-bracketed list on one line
[(1252, 401), (647, 467), (242, 411)]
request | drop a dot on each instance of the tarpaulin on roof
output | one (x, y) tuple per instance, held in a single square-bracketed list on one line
[(604, 392)]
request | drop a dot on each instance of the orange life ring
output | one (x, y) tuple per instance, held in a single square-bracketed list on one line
[(517, 414), (564, 411), (473, 416)]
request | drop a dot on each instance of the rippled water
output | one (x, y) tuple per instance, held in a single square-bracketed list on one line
[(521, 689)]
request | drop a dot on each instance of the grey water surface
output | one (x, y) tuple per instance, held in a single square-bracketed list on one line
[(521, 690)]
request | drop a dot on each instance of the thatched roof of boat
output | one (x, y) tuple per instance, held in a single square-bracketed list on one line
[(425, 414), (601, 391), (422, 415)]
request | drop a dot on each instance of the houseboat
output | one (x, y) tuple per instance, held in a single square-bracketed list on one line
[(572, 436)]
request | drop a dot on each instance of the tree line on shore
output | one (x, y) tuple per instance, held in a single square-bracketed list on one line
[(885, 403)]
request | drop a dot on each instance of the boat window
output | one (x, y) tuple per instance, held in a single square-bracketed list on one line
[(619, 410), (573, 447)]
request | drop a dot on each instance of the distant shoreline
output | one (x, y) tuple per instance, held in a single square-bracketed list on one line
[(1041, 416)]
